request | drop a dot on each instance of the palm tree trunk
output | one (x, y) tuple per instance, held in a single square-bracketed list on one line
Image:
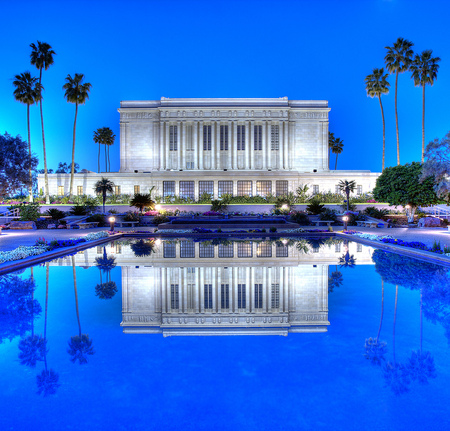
[(99, 157), (423, 121), (45, 320), (382, 309), (106, 160), (384, 138), (76, 294), (335, 166), (396, 121), (104, 200), (395, 319), (30, 198), (109, 161), (73, 152), (47, 195)]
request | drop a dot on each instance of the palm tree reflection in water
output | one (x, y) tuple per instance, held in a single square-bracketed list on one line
[(105, 264), (79, 345)]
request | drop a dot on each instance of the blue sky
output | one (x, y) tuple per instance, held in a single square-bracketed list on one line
[(142, 50)]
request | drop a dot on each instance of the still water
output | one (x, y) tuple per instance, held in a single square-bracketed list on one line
[(143, 335)]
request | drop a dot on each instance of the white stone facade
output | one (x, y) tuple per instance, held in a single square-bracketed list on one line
[(239, 146)]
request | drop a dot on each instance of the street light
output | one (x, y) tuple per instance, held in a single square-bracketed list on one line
[(111, 223), (345, 218)]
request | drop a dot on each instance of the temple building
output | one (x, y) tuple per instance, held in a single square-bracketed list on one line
[(187, 147)]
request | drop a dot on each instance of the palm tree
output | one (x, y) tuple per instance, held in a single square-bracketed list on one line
[(77, 93), (105, 264), (28, 91), (347, 187), (143, 248), (42, 57), (335, 280), (337, 148), (104, 186), (424, 70), (142, 200), (104, 136), (79, 345), (376, 85), (398, 60)]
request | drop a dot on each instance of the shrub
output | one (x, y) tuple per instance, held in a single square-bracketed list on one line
[(28, 211), (142, 200), (218, 205), (328, 214), (131, 216), (314, 206), (300, 217), (99, 218), (273, 229), (79, 209), (205, 198), (375, 212), (55, 213), (332, 198), (161, 218)]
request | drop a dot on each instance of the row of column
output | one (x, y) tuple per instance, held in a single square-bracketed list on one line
[(199, 155), (192, 293)]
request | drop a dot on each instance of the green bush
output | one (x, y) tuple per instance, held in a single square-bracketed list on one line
[(55, 213), (332, 198), (314, 206), (29, 211), (375, 212), (363, 198), (79, 209), (161, 218), (328, 214), (273, 229), (205, 198), (131, 216), (300, 217), (99, 218), (218, 205), (302, 193)]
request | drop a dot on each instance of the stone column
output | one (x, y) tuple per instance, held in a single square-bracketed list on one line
[(202, 290), (247, 144), (197, 284), (286, 154), (269, 290), (213, 145), (162, 163), (247, 288), (195, 143), (218, 164), (252, 145), (179, 145), (264, 145), (234, 147), (269, 145), (200, 146), (229, 162), (164, 290), (281, 289), (184, 144), (168, 160), (280, 145), (290, 149), (232, 284)]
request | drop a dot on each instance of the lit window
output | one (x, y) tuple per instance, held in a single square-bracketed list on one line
[(245, 249), (281, 187), (274, 138), (137, 189), (118, 248), (337, 248), (258, 138), (187, 189), (173, 138), (244, 188), (264, 249), (79, 190), (117, 190), (263, 188), (358, 248), (168, 188), (258, 295), (225, 187), (241, 138), (224, 138), (60, 190), (206, 187), (206, 138)]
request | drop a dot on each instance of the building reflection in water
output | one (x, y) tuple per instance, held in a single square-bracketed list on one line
[(230, 288)]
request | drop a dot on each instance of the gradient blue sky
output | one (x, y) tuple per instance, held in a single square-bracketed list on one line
[(142, 50)]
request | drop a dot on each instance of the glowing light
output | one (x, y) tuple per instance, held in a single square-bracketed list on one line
[(157, 242), (284, 241), (112, 219), (157, 207), (284, 207)]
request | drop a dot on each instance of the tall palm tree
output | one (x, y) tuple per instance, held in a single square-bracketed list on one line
[(76, 92), (398, 60), (376, 85), (28, 91), (424, 69), (331, 139), (42, 57), (337, 148), (347, 187), (104, 186), (104, 136), (105, 264)]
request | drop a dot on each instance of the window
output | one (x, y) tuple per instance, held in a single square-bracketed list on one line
[(258, 295), (189, 165), (242, 302), (264, 249), (118, 248), (315, 248), (358, 248), (206, 187), (168, 188), (206, 138), (224, 296), (187, 189), (224, 138), (208, 296), (206, 250), (359, 190), (281, 187), (169, 250), (337, 190), (225, 250), (337, 248), (225, 187), (257, 145), (244, 188), (117, 190), (244, 249), (79, 190), (275, 297), (187, 249), (173, 138), (263, 188), (191, 270), (60, 190), (282, 250), (99, 250), (137, 189), (174, 297), (241, 138), (275, 138), (315, 189)]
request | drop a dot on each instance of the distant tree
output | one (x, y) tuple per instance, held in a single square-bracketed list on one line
[(104, 136), (64, 168), (28, 91), (347, 187), (376, 85), (15, 165), (76, 92), (42, 57), (336, 146), (398, 59), (437, 164), (401, 185), (424, 69), (103, 187), (142, 200)]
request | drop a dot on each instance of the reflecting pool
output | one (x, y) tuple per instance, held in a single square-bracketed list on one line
[(226, 335)]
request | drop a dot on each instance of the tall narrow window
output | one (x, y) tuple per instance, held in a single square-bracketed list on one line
[(242, 301), (208, 295), (137, 189), (224, 296), (207, 138), (244, 188), (117, 190), (315, 189), (258, 295), (275, 297), (224, 138), (281, 187), (359, 190), (60, 190), (79, 190), (337, 190), (168, 188), (258, 138), (274, 138), (241, 137), (225, 187), (174, 297), (173, 138), (187, 189)]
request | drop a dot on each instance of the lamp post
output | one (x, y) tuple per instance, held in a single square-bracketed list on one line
[(111, 223), (345, 219)]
